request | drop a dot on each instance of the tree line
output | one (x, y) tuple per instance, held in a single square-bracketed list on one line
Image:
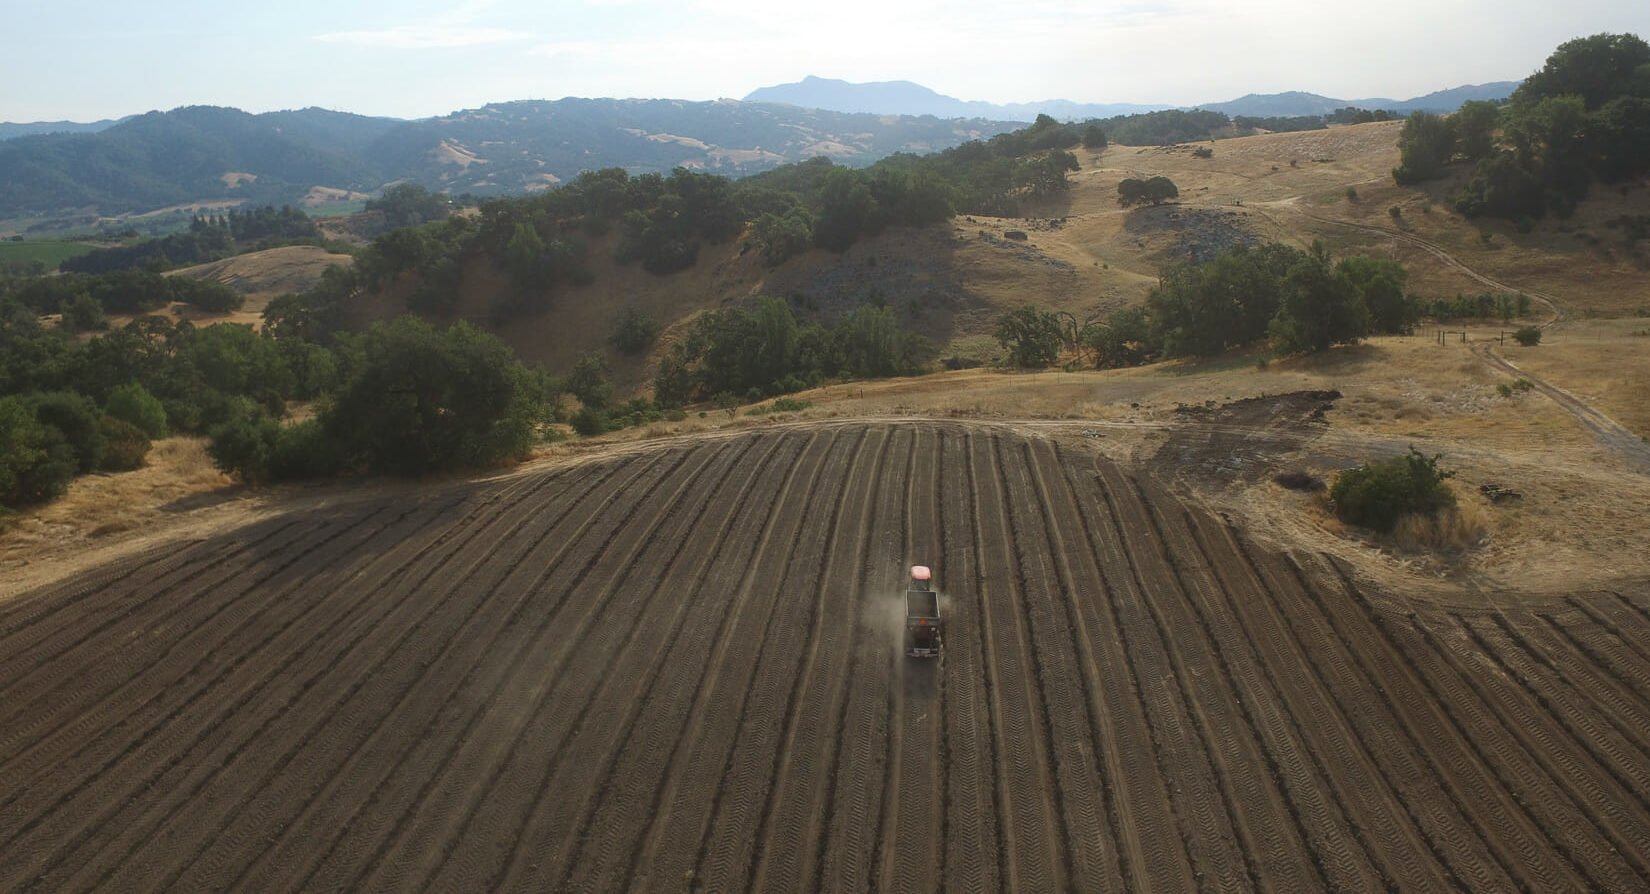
[(1294, 301), (1584, 117), (208, 238)]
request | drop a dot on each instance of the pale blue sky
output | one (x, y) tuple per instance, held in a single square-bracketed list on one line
[(88, 59)]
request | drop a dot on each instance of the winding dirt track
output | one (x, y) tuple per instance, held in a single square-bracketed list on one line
[(679, 669)]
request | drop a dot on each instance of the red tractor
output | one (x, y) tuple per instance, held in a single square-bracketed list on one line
[(922, 615)]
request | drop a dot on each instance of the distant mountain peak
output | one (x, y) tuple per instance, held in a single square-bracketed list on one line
[(909, 98)]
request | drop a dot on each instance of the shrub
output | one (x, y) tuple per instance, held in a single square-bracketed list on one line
[(1376, 495), (589, 422), (133, 404), (1529, 336), (77, 418), (1203, 152), (84, 314), (633, 332), (127, 445), (1352, 194), (242, 445)]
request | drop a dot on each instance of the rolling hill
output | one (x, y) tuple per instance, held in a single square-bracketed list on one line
[(203, 153)]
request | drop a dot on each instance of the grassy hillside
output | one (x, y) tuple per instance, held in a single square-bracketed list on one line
[(1084, 255)]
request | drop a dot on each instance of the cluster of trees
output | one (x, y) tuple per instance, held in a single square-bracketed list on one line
[(208, 238), (151, 374), (1298, 301), (85, 300), (1584, 116), (542, 242), (1166, 127), (408, 205), (765, 351), (1156, 190)]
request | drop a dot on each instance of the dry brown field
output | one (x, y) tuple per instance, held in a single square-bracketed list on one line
[(677, 668)]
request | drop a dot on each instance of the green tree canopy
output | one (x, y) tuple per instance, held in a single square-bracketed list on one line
[(416, 400)]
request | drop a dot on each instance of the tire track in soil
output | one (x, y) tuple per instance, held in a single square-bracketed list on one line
[(58, 610), (214, 717), (1273, 836), (539, 593), (1522, 849), (1339, 851), (788, 848), (912, 846), (1185, 765), (36, 721), (104, 728), (1140, 810), (1369, 705), (486, 646), (684, 801), (211, 732), (1577, 787), (328, 715), (1034, 853), (67, 801), (627, 798), (1597, 727), (1049, 589), (1601, 682), (974, 844), (1506, 752), (1628, 656), (148, 756), (626, 651), (21, 610), (727, 851), (108, 630), (851, 835), (1351, 795)]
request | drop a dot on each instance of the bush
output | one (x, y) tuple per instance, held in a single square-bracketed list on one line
[(421, 400), (127, 445), (633, 332), (133, 404), (1203, 152), (589, 422), (242, 445), (1529, 336), (1376, 495), (77, 418)]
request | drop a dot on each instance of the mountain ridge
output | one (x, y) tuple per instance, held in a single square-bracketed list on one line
[(909, 98)]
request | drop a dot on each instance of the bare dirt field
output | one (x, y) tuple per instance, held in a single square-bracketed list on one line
[(677, 668)]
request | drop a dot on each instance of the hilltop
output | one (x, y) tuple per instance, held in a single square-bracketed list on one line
[(203, 154)]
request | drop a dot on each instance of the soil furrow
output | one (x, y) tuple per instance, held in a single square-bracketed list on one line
[(628, 797), (974, 845), (1194, 777), (1050, 589), (709, 721), (1034, 856), (1521, 847), (326, 718), (912, 845), (739, 810), (858, 787), (789, 838)]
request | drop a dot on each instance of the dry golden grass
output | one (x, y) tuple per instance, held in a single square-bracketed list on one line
[(178, 491), (1580, 522)]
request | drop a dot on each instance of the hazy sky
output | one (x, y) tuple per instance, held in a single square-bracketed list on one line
[(88, 59)]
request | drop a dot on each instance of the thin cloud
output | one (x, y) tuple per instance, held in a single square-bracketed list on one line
[(452, 28), (422, 37)]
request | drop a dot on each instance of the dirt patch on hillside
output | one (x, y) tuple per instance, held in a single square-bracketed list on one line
[(1199, 235), (1245, 439)]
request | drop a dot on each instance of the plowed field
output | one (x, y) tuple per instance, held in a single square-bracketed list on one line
[(680, 669)]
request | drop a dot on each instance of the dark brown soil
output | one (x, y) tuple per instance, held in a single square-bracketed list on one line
[(680, 670)]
